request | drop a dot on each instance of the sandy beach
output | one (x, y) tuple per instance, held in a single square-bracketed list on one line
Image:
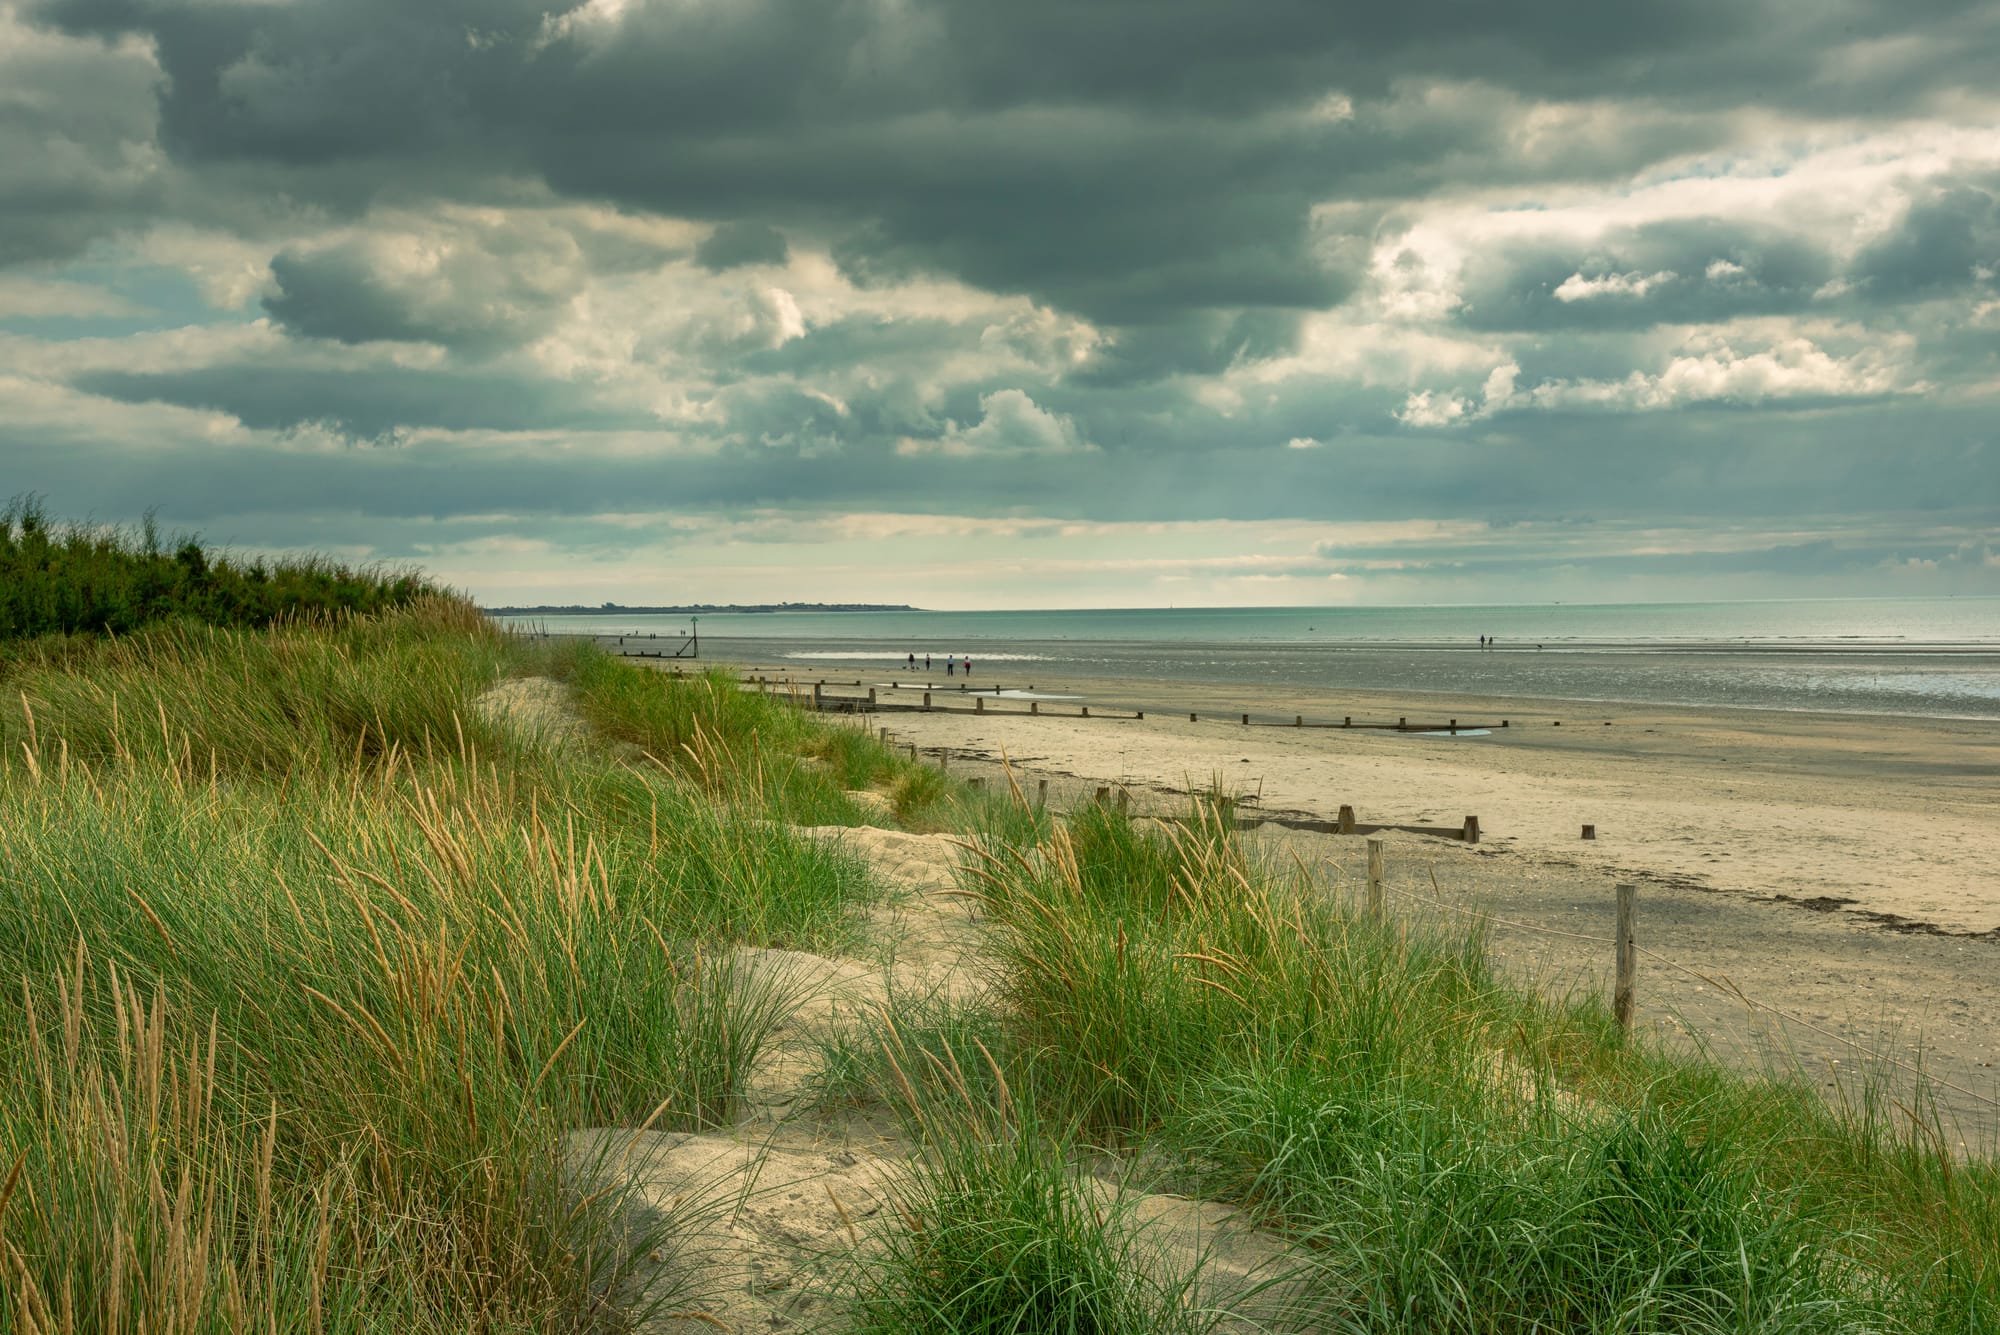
[(1838, 868)]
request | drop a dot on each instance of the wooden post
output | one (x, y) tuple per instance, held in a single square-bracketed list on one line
[(1503, 722), (1453, 726), (884, 737), (1140, 714), (1471, 835), (1086, 711), (913, 753), (1246, 720), (816, 700), (1124, 800), (1590, 832), (927, 699), (1628, 956), (1103, 795), (1034, 706), (1347, 721), (1403, 724), (979, 704), (1191, 718), (1346, 819), (1375, 880), (944, 762), (1041, 792), (978, 785), (871, 695), (1298, 720)]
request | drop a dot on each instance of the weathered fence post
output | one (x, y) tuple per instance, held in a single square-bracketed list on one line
[(1124, 800), (1628, 956), (1590, 832), (1298, 720), (871, 695), (1375, 880), (1346, 819), (1246, 720), (816, 693), (1041, 792), (1103, 794), (1471, 835), (1034, 706), (927, 699), (979, 704), (1191, 718)]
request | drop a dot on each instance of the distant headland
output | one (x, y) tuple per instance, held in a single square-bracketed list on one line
[(614, 609)]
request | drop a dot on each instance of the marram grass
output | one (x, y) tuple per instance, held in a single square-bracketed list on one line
[(313, 969)]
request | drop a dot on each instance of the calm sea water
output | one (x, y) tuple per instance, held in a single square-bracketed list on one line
[(1934, 656)]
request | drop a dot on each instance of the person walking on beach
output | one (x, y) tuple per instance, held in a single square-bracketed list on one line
[(913, 663), (968, 667), (950, 665), (927, 662)]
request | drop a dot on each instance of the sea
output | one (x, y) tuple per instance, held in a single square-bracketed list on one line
[(1926, 657)]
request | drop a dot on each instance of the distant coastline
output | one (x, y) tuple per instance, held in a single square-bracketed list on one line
[(615, 609)]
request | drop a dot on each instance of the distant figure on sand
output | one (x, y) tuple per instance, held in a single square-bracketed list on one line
[(913, 663), (968, 667), (927, 662), (950, 666)]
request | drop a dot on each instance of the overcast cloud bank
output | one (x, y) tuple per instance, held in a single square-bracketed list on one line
[(958, 303)]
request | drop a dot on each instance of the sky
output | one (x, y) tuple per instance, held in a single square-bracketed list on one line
[(1018, 303)]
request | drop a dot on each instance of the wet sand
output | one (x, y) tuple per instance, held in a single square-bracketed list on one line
[(1842, 868)]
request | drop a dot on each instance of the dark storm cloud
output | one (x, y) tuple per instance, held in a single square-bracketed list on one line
[(1135, 162), (737, 244), (76, 135), (1949, 239), (1681, 271), (372, 404)]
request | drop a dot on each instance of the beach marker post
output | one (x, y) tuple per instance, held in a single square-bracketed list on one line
[(817, 687), (1103, 794), (1298, 720), (1346, 823), (1246, 720), (1622, 991), (1086, 711), (1191, 718), (1590, 832), (871, 695), (927, 699), (1375, 847), (1034, 706), (1471, 833), (979, 704)]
